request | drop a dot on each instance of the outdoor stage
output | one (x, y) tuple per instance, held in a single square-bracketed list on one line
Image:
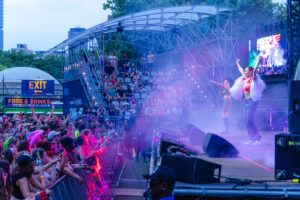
[(252, 173), (255, 163)]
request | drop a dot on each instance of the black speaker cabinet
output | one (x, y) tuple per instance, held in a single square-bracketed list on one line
[(294, 107), (192, 170), (217, 147), (287, 156)]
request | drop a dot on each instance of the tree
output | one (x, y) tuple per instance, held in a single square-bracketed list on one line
[(119, 45), (51, 64), (247, 14)]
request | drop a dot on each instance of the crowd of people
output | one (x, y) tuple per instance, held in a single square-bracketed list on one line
[(130, 90), (124, 88), (36, 150)]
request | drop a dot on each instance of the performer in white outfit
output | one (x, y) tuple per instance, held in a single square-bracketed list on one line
[(250, 86)]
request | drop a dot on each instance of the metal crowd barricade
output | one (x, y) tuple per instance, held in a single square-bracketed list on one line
[(68, 188), (95, 187), (97, 184)]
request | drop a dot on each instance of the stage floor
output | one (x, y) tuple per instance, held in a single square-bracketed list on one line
[(255, 162)]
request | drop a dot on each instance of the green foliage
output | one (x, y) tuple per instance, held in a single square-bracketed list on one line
[(119, 46), (51, 64), (280, 11), (247, 14)]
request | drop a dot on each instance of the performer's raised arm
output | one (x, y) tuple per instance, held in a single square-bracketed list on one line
[(222, 85), (240, 67)]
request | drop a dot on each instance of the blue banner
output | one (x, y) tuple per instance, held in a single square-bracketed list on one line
[(37, 87)]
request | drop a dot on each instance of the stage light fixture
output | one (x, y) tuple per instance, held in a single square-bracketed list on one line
[(120, 28)]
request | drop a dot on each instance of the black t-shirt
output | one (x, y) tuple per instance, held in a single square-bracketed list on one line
[(16, 191)]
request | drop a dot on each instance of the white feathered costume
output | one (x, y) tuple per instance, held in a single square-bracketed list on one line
[(257, 86)]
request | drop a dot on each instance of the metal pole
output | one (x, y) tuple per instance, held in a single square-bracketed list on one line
[(281, 193), (3, 95)]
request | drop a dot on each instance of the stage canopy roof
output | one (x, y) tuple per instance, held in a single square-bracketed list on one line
[(158, 20)]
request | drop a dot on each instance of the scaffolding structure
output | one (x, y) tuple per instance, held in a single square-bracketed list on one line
[(293, 7), (200, 35)]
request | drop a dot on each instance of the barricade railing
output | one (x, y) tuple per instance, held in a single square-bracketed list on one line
[(99, 181), (67, 188), (95, 186)]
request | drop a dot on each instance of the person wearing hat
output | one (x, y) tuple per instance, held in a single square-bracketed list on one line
[(53, 136), (162, 183), (22, 176)]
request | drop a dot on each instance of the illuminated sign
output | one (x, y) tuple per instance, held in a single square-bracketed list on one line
[(27, 102), (37, 87)]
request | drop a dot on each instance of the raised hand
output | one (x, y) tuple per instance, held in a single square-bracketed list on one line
[(240, 67)]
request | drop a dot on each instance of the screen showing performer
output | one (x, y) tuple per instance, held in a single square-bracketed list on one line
[(270, 56)]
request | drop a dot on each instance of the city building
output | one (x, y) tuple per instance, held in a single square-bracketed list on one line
[(75, 31), (22, 48)]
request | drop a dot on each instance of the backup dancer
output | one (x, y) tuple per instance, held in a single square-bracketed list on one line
[(227, 100)]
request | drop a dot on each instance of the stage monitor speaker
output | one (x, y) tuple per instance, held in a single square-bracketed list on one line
[(192, 170), (217, 147), (287, 156), (294, 107), (195, 135), (166, 144)]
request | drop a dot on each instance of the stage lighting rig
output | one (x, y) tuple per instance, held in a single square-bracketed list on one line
[(120, 28)]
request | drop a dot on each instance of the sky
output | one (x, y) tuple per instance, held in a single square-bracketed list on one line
[(42, 24)]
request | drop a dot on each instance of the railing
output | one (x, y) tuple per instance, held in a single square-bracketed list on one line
[(82, 81), (92, 87), (96, 185), (72, 73), (68, 188)]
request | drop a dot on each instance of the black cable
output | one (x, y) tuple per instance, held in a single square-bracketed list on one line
[(243, 182), (226, 177)]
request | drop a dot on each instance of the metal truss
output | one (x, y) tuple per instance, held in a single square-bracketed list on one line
[(203, 32), (155, 21), (210, 47), (293, 7)]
